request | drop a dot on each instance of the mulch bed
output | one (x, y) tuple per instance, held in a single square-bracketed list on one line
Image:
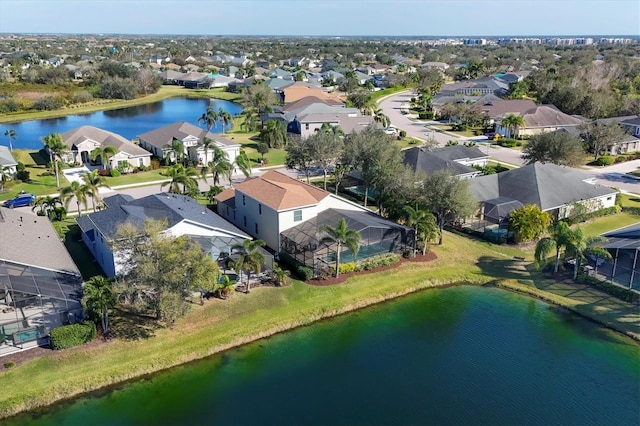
[(430, 256)]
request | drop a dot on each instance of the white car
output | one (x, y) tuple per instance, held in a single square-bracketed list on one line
[(391, 131)]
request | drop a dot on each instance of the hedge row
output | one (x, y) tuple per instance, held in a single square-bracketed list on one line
[(299, 269), (600, 213), (369, 263), (69, 336), (609, 288)]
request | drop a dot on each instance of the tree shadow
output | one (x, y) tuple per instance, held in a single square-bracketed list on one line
[(504, 268), (129, 326), (39, 159)]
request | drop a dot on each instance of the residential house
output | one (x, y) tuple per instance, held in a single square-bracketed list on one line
[(171, 76), (551, 187), (632, 124), (159, 142), (514, 77), (631, 141), (281, 74), (8, 163), (183, 215), (159, 59), (309, 118), (440, 66), (289, 215), (40, 285), (541, 119), (82, 140), (479, 86), (298, 91), (457, 160)]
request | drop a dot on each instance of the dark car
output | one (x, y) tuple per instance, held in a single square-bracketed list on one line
[(20, 200)]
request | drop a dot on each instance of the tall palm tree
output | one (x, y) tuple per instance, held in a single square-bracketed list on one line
[(424, 225), (225, 118), (11, 135), (251, 258), (104, 152), (274, 133), (46, 205), (583, 245), (243, 163), (207, 144), (219, 166), (178, 150), (513, 123), (56, 147), (77, 190), (94, 182), (250, 123), (181, 175), (342, 235), (380, 117), (5, 176), (99, 297), (209, 118), (560, 237)]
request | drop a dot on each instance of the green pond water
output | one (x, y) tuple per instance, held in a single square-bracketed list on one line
[(462, 355)]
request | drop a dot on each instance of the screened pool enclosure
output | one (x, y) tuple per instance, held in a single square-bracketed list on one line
[(305, 242)]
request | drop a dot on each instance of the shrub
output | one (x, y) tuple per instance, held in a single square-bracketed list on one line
[(345, 268), (425, 115), (609, 288), (69, 336), (142, 168), (605, 160), (23, 175), (300, 270), (600, 213), (373, 262), (403, 134), (47, 103), (155, 164), (114, 173), (9, 364), (508, 142)]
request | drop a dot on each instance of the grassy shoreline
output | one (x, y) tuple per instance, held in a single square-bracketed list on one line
[(221, 325), (165, 92)]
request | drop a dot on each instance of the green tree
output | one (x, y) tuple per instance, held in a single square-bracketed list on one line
[(557, 147), (207, 144), (225, 287), (93, 181), (225, 119), (279, 275), (251, 258), (528, 223), (5, 176), (104, 153), (341, 235), (251, 121), (424, 226), (601, 137), (11, 136), (583, 245), (262, 149), (219, 166), (56, 147), (177, 147), (209, 118), (447, 197), (560, 236), (325, 147), (513, 123), (299, 156), (379, 117), (274, 134), (98, 299), (180, 175), (75, 190), (243, 163)]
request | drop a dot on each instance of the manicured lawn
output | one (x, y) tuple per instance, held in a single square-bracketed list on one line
[(608, 223), (630, 201), (219, 325), (249, 142), (385, 92), (41, 181), (407, 142), (140, 177)]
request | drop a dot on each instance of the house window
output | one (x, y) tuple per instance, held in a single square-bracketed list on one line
[(306, 126), (140, 161), (259, 208), (244, 200), (256, 229), (245, 221), (609, 198), (297, 215)]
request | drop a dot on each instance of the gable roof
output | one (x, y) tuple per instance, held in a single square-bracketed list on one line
[(297, 92), (31, 240), (170, 207), (6, 158), (429, 162), (459, 152), (180, 130), (549, 116), (279, 191), (512, 106), (543, 184), (104, 138), (322, 108)]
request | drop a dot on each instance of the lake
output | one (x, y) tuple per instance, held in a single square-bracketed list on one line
[(462, 355), (128, 122)]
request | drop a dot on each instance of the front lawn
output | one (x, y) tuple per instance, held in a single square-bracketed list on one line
[(140, 177), (608, 223), (41, 182)]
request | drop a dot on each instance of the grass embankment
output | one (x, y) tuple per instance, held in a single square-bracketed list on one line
[(108, 104), (219, 325)]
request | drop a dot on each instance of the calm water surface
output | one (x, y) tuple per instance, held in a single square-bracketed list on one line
[(455, 356), (128, 122)]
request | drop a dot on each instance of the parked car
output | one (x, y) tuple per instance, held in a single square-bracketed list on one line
[(391, 131), (20, 200)]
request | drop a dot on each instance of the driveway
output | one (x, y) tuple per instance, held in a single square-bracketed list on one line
[(75, 175), (614, 176)]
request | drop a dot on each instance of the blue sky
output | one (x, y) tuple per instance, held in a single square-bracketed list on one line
[(323, 17)]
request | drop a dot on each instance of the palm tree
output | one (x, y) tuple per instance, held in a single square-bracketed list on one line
[(104, 152), (11, 135), (75, 189), (583, 245), (219, 166), (243, 163), (225, 119), (207, 143), (181, 175), (279, 275), (5, 176), (56, 147), (99, 298), (424, 225), (93, 181), (274, 134), (513, 123), (209, 118), (178, 149), (251, 258), (342, 235), (560, 236), (379, 117), (225, 287), (250, 123), (331, 129)]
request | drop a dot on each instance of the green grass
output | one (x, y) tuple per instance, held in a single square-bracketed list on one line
[(219, 325), (41, 181), (249, 142), (140, 177), (107, 104), (386, 92), (70, 231), (608, 223), (630, 201), (407, 142)]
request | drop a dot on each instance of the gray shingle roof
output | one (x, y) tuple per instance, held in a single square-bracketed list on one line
[(428, 162), (163, 136), (459, 152), (104, 138), (6, 158), (170, 207), (546, 185)]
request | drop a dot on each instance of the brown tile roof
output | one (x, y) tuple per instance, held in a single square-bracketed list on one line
[(296, 92), (281, 192), (309, 100), (31, 240), (226, 195)]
